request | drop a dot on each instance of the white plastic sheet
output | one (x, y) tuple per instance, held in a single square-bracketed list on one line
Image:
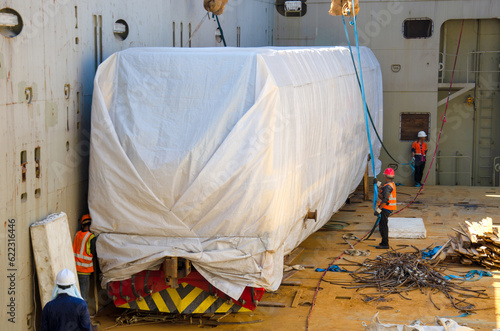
[(407, 227), (216, 155)]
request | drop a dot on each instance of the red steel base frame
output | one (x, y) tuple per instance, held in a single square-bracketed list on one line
[(148, 282)]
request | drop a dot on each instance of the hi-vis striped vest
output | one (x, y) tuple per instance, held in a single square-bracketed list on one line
[(83, 260), (391, 205)]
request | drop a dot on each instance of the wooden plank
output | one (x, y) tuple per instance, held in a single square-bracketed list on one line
[(459, 231), (296, 299), (487, 224), (309, 266), (469, 235), (440, 250), (465, 261), (271, 304), (366, 185), (293, 255), (292, 283), (288, 274)]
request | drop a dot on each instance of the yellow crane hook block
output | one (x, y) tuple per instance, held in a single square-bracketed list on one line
[(215, 6), (343, 7)]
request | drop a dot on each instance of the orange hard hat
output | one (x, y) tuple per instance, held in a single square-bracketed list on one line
[(86, 219), (389, 172)]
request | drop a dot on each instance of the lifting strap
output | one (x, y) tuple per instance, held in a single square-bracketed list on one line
[(369, 114), (220, 29)]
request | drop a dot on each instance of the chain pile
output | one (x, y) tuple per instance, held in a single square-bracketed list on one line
[(401, 272)]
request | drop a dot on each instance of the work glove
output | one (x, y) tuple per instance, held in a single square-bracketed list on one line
[(377, 212)]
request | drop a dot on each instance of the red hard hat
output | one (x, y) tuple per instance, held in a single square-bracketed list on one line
[(86, 219), (389, 172)]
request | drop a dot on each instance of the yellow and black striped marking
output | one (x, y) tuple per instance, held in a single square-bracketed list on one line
[(186, 299)]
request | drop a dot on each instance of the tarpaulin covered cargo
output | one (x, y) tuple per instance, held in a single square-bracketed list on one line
[(216, 155)]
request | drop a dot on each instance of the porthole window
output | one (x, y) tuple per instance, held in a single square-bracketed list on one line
[(11, 23), (120, 29), (418, 28)]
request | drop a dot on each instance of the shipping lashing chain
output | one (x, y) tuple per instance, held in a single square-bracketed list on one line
[(147, 289)]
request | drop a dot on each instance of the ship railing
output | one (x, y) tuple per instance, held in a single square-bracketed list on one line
[(472, 67)]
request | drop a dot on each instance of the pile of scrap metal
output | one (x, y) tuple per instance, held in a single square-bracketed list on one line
[(475, 242), (398, 273)]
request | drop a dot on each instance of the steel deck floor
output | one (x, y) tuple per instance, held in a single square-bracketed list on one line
[(342, 309)]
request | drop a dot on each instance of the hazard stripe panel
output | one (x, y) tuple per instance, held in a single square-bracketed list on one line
[(186, 299)]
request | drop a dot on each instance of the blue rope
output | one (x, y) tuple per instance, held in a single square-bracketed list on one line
[(411, 163), (470, 275), (428, 254), (375, 195), (334, 268)]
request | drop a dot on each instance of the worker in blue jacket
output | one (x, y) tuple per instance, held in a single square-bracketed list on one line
[(67, 311)]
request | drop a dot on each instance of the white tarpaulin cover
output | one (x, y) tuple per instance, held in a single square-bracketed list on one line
[(216, 155)]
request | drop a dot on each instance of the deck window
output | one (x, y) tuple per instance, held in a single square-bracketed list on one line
[(412, 123), (418, 28)]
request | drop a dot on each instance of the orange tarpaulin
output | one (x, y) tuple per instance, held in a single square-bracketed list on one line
[(215, 6), (340, 7)]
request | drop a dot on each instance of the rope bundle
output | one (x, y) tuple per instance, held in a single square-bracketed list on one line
[(215, 6)]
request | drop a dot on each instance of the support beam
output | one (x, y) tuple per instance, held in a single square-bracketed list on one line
[(464, 89), (366, 185)]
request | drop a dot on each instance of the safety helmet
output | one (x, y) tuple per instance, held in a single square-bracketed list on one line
[(65, 277), (86, 219), (422, 134), (389, 172)]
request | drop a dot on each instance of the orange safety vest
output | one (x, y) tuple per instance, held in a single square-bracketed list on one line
[(83, 260), (420, 151), (392, 204)]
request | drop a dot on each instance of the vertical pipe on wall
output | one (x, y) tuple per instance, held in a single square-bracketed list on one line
[(475, 131)]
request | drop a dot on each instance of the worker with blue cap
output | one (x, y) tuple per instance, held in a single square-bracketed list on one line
[(67, 310)]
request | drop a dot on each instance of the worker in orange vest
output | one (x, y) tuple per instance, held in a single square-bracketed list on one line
[(387, 197), (83, 248), (419, 150)]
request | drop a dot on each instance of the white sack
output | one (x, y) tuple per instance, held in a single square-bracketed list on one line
[(441, 324), (215, 155), (53, 252)]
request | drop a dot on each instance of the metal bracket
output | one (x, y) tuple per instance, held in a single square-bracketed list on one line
[(312, 215), (174, 269), (28, 93), (146, 289), (126, 298), (67, 91)]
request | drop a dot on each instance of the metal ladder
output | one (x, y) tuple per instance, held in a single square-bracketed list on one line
[(486, 120)]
